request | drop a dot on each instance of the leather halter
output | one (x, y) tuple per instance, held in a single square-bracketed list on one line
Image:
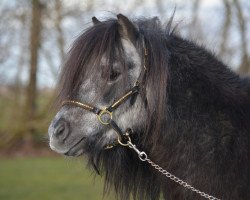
[(105, 115)]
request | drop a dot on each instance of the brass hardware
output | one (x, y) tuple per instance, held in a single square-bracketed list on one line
[(121, 99), (102, 113), (124, 144), (109, 146), (136, 83), (79, 104)]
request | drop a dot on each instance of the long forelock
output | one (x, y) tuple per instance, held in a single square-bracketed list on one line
[(85, 57)]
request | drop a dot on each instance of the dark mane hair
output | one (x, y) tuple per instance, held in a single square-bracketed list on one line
[(198, 116), (85, 55)]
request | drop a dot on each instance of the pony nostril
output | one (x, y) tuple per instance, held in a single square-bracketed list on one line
[(61, 131)]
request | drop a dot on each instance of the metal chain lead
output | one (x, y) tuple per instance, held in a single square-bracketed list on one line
[(144, 157)]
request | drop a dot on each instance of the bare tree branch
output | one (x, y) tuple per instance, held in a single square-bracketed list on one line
[(58, 24), (225, 29), (35, 39), (50, 62), (195, 9), (245, 61), (195, 30)]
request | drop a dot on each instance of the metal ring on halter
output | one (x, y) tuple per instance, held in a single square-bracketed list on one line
[(102, 113), (124, 144)]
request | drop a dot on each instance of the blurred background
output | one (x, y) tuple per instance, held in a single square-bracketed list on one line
[(35, 35)]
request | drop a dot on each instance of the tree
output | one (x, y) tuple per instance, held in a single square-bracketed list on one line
[(226, 27), (35, 42), (244, 67), (58, 24)]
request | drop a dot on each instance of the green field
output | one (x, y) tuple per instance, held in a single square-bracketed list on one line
[(48, 178)]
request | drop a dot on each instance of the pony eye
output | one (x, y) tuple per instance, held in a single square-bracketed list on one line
[(114, 75)]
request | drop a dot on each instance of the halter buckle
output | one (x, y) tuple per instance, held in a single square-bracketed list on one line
[(102, 117)]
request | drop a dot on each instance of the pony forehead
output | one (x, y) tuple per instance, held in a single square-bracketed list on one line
[(129, 52)]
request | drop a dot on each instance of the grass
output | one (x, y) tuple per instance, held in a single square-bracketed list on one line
[(48, 178)]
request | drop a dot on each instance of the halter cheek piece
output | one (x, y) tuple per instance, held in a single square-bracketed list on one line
[(105, 115)]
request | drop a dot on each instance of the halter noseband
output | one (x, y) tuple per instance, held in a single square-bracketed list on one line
[(105, 115)]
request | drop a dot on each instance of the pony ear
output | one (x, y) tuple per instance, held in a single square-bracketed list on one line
[(127, 29), (95, 21)]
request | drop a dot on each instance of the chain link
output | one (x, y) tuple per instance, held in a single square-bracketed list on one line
[(179, 181), (144, 157)]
